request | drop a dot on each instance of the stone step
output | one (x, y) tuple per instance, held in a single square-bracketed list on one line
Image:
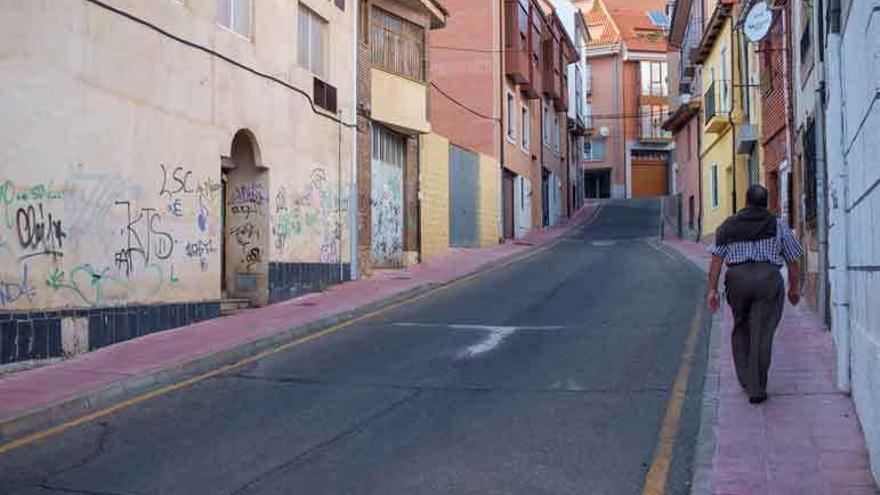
[(230, 306)]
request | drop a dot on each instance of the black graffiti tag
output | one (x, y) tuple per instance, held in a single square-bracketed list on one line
[(38, 232), (253, 257), (144, 238), (179, 181)]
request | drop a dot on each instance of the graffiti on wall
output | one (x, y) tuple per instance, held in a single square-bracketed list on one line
[(387, 213), (309, 217), (248, 202), (99, 238)]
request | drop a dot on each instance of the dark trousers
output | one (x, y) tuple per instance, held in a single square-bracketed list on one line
[(756, 294)]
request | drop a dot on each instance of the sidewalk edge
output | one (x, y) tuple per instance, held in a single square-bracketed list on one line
[(88, 401), (707, 436)]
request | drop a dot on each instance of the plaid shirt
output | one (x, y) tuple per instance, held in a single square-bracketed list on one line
[(776, 250)]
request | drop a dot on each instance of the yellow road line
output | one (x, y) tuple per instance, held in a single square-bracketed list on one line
[(658, 474), (88, 418)]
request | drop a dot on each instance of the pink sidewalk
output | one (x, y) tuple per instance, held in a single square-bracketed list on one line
[(806, 439), (75, 385)]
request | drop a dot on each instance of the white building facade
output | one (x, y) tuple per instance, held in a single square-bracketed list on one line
[(852, 112), (161, 156)]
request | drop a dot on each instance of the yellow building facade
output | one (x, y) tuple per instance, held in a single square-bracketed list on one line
[(730, 156)]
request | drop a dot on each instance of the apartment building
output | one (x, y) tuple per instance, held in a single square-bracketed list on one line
[(392, 81), (628, 155), (684, 121), (199, 151)]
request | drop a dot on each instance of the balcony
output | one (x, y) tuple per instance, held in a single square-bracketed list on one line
[(533, 88), (552, 79), (562, 102), (516, 48), (715, 107), (651, 124), (588, 80)]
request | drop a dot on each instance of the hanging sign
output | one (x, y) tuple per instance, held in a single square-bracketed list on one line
[(758, 22)]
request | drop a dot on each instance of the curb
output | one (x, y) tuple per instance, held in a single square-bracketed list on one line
[(707, 436), (53, 414)]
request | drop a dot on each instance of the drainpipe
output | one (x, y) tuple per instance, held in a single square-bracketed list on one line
[(500, 114), (786, 90), (731, 108), (352, 196)]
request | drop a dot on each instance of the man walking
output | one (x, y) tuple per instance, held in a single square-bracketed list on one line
[(754, 245)]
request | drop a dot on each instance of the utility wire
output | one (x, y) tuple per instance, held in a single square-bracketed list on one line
[(225, 58), (299, 91), (462, 105)]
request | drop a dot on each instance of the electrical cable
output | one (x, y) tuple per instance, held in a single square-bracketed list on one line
[(302, 92), (225, 58), (462, 105)]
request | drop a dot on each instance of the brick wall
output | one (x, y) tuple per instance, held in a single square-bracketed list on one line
[(364, 153), (773, 126)]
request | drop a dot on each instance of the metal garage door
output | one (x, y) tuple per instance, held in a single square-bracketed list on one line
[(464, 186), (649, 179), (389, 152)]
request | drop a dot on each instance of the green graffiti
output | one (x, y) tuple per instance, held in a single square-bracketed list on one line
[(90, 284), (10, 195)]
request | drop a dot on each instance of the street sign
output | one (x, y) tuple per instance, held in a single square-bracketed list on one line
[(758, 22)]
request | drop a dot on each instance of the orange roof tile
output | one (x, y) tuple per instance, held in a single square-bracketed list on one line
[(629, 19), (602, 30)]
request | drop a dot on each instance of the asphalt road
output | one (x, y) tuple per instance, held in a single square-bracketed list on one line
[(549, 376)]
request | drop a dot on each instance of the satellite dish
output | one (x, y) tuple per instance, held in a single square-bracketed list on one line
[(604, 131), (758, 22)]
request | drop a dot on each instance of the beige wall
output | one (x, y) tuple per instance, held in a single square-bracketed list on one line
[(399, 101), (435, 197), (434, 185), (490, 201), (118, 133)]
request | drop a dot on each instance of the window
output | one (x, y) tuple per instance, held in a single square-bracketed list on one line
[(714, 185), (388, 146), (556, 132), (659, 19), (398, 45), (545, 119), (511, 117), (526, 128), (725, 91), (235, 15), (654, 76), (809, 146), (312, 41), (594, 149)]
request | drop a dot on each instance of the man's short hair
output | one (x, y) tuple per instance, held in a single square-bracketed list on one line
[(757, 196)]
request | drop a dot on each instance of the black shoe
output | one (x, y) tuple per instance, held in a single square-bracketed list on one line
[(757, 400)]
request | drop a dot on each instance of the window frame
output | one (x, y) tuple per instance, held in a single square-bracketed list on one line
[(525, 124), (511, 117), (313, 19), (231, 27), (714, 187)]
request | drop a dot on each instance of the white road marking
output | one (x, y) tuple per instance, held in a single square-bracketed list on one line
[(495, 334)]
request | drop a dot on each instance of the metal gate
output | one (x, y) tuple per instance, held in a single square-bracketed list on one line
[(464, 185), (389, 154)]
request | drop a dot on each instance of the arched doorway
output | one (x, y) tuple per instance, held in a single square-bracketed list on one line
[(245, 247)]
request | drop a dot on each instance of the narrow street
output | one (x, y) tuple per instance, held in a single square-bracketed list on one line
[(548, 376)]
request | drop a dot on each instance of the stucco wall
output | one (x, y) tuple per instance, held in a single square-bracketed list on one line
[(117, 132), (854, 210), (399, 101)]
